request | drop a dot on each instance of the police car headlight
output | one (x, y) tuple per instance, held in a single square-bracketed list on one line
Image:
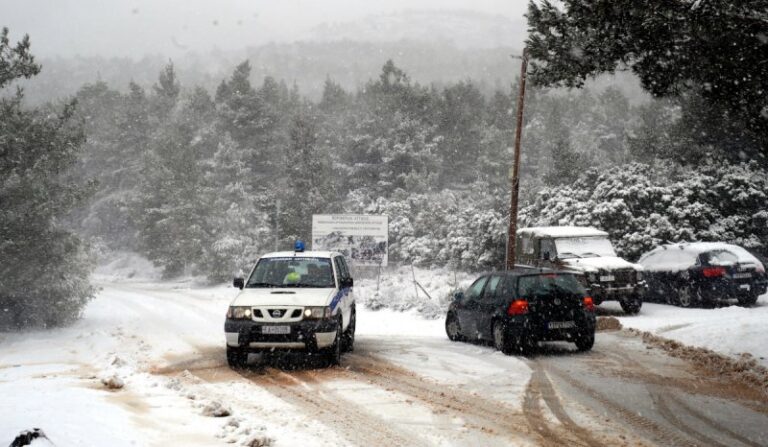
[(317, 312), (239, 313)]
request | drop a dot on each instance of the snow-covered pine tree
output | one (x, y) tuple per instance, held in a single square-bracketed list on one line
[(44, 267)]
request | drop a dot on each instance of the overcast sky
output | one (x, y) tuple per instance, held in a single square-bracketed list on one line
[(137, 27)]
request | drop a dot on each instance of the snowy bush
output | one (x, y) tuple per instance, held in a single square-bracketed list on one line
[(461, 229), (642, 206)]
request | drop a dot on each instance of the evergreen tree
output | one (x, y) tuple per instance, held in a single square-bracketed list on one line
[(715, 49), (45, 268)]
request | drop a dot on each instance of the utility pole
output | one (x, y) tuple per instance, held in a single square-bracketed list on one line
[(515, 174)]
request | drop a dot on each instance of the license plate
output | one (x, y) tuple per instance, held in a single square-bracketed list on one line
[(607, 278), (561, 324), (275, 329), (741, 275)]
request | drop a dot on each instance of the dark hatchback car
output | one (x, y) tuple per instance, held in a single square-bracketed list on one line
[(518, 308), (702, 274)]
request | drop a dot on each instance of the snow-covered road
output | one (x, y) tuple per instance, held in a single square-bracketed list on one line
[(405, 384)]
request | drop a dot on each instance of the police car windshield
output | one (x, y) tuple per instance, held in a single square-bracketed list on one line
[(292, 272)]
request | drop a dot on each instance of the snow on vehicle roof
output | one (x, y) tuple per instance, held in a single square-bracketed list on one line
[(683, 255), (300, 254), (562, 231)]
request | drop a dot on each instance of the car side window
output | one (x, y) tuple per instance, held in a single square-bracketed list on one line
[(339, 271), (489, 295), (474, 291), (344, 270), (547, 247)]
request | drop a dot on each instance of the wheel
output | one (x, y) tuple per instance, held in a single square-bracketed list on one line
[(748, 300), (632, 304), (348, 338), (237, 357), (501, 338), (686, 296), (584, 342), (452, 328), (334, 352)]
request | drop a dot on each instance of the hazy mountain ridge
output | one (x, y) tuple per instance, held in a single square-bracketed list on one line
[(465, 29)]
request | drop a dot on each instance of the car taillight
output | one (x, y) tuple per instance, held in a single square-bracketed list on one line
[(518, 307), (589, 304), (713, 272)]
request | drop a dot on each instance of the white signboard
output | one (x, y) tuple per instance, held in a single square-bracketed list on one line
[(363, 239)]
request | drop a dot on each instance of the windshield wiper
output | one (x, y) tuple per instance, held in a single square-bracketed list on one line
[(567, 255), (589, 254), (262, 284)]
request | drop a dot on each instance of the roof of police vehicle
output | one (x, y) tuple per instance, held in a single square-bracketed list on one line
[(562, 231), (301, 254)]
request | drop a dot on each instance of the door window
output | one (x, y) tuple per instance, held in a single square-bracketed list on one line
[(547, 247), (489, 295), (474, 291)]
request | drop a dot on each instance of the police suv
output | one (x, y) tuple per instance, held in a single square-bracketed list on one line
[(295, 301)]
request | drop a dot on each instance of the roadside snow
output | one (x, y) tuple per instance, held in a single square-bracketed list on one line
[(727, 330)]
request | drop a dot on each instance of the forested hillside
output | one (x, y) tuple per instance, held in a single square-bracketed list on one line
[(192, 178)]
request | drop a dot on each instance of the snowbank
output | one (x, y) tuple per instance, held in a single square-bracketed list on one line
[(728, 330)]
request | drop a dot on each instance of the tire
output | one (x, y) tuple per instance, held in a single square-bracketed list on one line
[(334, 352), (501, 338), (631, 305), (348, 338), (452, 328), (748, 300), (686, 297), (237, 358), (584, 342)]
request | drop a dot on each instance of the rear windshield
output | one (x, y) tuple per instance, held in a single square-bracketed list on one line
[(292, 272), (535, 286)]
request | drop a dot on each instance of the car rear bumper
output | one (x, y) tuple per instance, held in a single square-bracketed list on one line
[(524, 326), (718, 290), (309, 335)]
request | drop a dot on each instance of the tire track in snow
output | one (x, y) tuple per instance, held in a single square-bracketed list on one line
[(540, 388), (662, 397), (352, 421)]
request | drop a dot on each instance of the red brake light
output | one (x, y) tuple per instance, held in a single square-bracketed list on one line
[(713, 272), (589, 304), (518, 307)]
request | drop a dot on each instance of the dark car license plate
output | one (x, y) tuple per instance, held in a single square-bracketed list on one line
[(560, 324)]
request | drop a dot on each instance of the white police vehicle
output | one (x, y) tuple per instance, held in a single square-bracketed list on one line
[(295, 301)]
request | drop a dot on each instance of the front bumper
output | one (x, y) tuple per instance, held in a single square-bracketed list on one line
[(309, 335), (607, 292)]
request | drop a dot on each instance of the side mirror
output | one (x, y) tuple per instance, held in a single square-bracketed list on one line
[(239, 283), (349, 282), (547, 256), (457, 296)]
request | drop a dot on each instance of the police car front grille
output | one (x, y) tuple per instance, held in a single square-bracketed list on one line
[(296, 313)]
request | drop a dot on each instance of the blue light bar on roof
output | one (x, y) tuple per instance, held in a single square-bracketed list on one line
[(298, 246)]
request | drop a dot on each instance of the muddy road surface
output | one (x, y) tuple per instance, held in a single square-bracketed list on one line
[(429, 391)]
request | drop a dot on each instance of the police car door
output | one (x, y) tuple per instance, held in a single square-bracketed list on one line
[(345, 289)]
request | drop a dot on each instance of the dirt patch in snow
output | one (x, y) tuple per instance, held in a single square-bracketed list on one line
[(608, 324), (743, 368)]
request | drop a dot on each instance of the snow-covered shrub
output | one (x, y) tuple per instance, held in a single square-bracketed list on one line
[(642, 206), (462, 229)]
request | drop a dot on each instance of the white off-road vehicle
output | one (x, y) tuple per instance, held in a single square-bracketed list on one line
[(589, 252), (294, 301)]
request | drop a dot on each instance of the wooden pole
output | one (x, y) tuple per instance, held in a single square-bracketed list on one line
[(515, 175)]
